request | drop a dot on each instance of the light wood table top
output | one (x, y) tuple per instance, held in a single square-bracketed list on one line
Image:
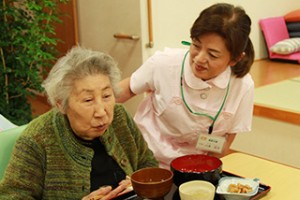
[(283, 180)]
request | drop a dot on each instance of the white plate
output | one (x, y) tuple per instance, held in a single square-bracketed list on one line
[(224, 183)]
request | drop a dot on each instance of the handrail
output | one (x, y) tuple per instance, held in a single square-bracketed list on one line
[(75, 22), (125, 36), (150, 30)]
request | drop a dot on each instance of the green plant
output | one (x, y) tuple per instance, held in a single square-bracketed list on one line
[(27, 51)]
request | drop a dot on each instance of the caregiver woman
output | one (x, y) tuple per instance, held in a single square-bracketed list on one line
[(198, 99)]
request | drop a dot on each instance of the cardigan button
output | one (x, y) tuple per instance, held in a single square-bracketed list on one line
[(123, 162)]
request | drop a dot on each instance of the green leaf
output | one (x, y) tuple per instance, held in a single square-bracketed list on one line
[(27, 41)]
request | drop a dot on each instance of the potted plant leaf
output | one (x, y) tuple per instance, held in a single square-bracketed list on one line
[(27, 51)]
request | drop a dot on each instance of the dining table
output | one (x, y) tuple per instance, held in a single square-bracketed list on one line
[(283, 180), (279, 181)]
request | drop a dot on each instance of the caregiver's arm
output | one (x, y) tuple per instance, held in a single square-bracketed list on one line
[(126, 92)]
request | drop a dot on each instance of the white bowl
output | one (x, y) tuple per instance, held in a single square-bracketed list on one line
[(224, 183), (197, 190)]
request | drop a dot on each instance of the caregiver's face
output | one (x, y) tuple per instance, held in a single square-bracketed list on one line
[(209, 56), (91, 106)]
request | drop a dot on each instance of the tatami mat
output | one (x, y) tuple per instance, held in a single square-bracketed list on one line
[(271, 139), (296, 79), (274, 140), (284, 95)]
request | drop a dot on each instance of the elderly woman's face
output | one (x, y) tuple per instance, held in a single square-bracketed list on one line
[(91, 106)]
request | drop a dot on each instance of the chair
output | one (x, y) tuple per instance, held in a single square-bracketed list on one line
[(7, 141), (274, 29)]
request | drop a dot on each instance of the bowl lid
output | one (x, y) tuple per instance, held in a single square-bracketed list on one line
[(196, 163)]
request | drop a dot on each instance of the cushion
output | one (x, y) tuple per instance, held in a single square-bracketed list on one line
[(294, 34), (293, 26), (293, 16), (286, 46), (274, 30)]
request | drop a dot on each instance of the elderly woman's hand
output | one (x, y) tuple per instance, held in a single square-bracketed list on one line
[(106, 192)]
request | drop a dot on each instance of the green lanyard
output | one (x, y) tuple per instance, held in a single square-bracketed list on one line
[(210, 129)]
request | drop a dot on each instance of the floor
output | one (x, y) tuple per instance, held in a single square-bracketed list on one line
[(266, 72), (275, 135), (280, 100), (272, 140)]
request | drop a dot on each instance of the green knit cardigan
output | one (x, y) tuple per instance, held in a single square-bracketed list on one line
[(48, 162)]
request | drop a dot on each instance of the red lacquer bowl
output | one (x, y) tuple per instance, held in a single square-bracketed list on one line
[(196, 167)]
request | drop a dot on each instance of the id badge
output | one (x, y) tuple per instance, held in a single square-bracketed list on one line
[(211, 143)]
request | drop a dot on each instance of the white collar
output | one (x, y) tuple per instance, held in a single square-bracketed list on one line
[(192, 81)]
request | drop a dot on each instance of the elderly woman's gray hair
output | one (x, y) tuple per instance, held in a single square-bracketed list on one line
[(78, 63)]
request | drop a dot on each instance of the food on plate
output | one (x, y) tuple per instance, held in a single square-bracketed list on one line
[(239, 188)]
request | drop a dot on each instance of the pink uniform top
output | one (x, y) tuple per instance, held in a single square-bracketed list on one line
[(170, 129)]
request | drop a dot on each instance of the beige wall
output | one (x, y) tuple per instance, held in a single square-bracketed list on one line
[(172, 20)]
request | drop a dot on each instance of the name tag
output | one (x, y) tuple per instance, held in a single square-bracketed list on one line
[(210, 143)]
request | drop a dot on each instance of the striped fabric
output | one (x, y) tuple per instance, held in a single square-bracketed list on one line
[(286, 46)]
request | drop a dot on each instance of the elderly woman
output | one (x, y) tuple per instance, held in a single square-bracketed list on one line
[(85, 142)]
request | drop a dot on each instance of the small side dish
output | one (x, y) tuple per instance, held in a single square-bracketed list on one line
[(239, 188), (235, 188)]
